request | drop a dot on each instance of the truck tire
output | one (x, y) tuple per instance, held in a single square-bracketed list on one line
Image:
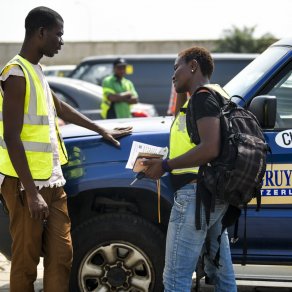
[(117, 252)]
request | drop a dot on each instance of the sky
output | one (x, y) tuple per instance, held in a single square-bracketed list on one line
[(128, 20)]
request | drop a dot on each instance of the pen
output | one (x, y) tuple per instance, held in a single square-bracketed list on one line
[(139, 176)]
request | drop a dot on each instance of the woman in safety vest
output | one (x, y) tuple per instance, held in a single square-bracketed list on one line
[(193, 69)]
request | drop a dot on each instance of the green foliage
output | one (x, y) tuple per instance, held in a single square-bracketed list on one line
[(237, 40)]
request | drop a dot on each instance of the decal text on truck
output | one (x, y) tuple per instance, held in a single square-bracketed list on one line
[(277, 184)]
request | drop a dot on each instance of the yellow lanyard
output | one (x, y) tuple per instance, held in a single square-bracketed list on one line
[(158, 199)]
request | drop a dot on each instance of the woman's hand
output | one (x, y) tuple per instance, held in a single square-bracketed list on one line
[(154, 168)]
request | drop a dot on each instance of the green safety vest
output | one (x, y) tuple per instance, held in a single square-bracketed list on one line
[(180, 141), (35, 134), (107, 89)]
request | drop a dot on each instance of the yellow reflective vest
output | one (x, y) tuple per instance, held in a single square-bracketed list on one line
[(180, 141), (35, 134), (105, 103)]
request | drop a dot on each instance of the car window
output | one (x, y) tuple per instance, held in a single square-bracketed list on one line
[(96, 73), (66, 99), (283, 91), (79, 71), (49, 72)]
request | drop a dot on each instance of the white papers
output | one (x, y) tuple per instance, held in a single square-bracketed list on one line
[(138, 147)]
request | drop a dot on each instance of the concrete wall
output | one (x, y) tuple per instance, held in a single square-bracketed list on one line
[(74, 52)]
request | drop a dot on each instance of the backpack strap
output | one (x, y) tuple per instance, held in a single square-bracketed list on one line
[(217, 256), (198, 209), (200, 190), (244, 248), (241, 98), (200, 273), (234, 238), (258, 198), (200, 268), (203, 195), (221, 98), (230, 217)]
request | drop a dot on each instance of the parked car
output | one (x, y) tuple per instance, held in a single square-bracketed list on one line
[(151, 74), (58, 70), (117, 238), (86, 97)]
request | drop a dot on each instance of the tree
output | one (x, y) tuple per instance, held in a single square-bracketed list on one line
[(238, 40)]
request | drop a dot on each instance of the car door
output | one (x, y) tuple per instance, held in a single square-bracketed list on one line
[(269, 230)]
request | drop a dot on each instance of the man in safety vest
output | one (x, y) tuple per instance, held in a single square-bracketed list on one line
[(31, 155), (118, 93)]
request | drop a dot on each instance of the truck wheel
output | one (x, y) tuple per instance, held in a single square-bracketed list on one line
[(117, 252)]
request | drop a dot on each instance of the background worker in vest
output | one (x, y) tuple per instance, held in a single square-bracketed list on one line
[(31, 154), (118, 93), (193, 68)]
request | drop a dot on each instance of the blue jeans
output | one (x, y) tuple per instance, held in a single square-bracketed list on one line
[(184, 245)]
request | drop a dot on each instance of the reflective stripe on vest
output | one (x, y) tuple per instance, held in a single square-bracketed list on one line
[(180, 141), (35, 134), (32, 119), (31, 146)]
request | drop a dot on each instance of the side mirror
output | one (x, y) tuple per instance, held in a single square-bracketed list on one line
[(264, 107)]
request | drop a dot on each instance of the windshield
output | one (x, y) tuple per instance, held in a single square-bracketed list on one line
[(251, 74), (79, 71), (93, 73)]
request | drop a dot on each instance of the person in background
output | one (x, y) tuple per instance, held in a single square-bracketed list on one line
[(118, 93), (31, 155), (193, 68)]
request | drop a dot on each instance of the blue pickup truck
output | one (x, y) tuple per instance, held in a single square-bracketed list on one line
[(118, 240)]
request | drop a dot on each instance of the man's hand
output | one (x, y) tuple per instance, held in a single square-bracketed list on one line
[(154, 168), (110, 135), (38, 208)]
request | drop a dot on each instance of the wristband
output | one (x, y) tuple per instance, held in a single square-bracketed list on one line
[(165, 166)]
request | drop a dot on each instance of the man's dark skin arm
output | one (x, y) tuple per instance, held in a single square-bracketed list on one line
[(206, 151), (126, 96), (13, 104), (69, 114)]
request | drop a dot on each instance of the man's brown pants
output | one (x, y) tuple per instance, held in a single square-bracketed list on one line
[(31, 238)]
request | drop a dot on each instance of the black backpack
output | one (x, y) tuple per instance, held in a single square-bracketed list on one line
[(235, 176)]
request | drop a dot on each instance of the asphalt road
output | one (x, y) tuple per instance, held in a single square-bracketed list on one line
[(243, 286), (248, 288)]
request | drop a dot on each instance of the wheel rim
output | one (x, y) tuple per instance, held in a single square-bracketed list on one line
[(117, 266)]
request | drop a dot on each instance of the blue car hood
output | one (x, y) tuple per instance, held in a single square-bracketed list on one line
[(155, 124)]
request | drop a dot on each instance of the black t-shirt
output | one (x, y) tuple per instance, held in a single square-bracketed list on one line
[(202, 104)]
